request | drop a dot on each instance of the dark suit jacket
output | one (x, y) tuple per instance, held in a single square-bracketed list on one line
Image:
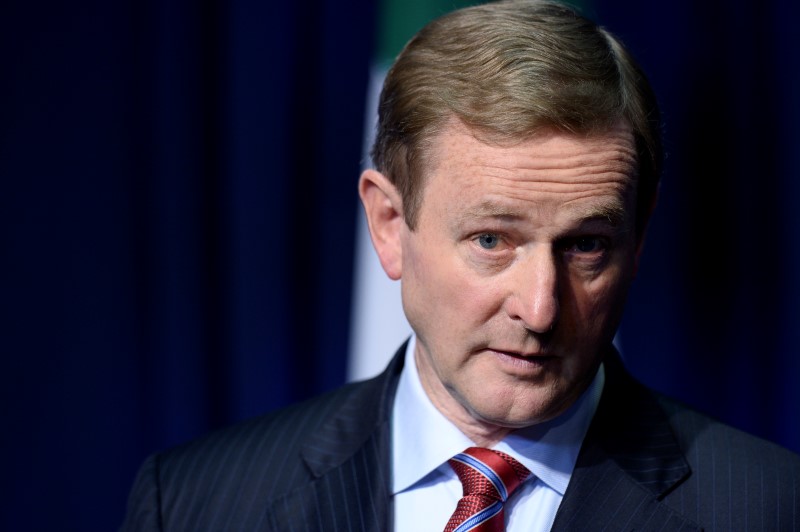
[(647, 463)]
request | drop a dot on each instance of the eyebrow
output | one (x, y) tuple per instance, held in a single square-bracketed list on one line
[(488, 209), (611, 212)]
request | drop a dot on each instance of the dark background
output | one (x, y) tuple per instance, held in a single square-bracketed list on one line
[(177, 222)]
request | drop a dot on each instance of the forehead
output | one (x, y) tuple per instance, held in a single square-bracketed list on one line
[(551, 170)]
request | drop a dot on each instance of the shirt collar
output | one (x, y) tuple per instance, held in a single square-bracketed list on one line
[(423, 439)]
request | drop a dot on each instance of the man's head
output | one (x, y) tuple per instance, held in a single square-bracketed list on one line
[(517, 155)]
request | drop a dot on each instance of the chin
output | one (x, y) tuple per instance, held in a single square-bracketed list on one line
[(521, 412)]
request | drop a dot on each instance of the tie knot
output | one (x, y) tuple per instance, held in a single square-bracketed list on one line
[(488, 473)]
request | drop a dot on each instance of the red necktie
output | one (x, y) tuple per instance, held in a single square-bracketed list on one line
[(489, 478)]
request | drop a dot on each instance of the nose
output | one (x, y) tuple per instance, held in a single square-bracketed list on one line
[(535, 297)]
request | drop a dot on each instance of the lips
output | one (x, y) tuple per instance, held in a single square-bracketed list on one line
[(521, 355), (521, 361)]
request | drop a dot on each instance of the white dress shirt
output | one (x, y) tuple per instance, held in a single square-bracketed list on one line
[(426, 489)]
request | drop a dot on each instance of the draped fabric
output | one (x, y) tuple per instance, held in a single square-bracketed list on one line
[(177, 217), (178, 205)]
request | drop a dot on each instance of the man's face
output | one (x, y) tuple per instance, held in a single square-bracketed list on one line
[(515, 276)]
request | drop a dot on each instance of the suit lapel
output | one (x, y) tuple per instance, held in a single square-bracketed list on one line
[(628, 462), (349, 460)]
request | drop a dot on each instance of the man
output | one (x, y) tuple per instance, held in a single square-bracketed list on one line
[(516, 167)]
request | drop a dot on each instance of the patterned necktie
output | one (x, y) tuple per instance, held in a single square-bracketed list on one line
[(488, 478)]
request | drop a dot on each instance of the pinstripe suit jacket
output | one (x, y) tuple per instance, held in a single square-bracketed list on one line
[(647, 463)]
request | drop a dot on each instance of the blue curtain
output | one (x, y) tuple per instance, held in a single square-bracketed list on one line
[(177, 218), (178, 214)]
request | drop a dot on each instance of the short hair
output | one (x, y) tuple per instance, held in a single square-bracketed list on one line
[(508, 70)]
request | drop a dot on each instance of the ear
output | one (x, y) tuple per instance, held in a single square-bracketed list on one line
[(384, 209)]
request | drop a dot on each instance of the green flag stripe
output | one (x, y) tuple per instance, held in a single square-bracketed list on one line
[(399, 20)]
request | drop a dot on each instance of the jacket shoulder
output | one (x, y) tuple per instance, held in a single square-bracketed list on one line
[(696, 432), (738, 481), (231, 475)]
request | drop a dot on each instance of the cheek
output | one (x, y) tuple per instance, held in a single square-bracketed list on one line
[(455, 300), (428, 286), (599, 303), (466, 301)]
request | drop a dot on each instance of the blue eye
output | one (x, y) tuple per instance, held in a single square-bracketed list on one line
[(488, 241)]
